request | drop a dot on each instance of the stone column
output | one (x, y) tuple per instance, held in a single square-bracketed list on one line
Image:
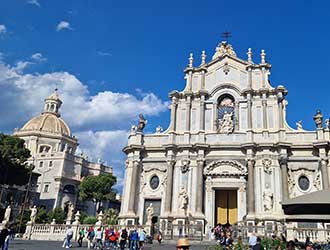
[(284, 173), (202, 114), (173, 114), (280, 108), (131, 202), (190, 77), (188, 112), (215, 116), (251, 199), (264, 110), (199, 186), (203, 79), (324, 172), (249, 110), (169, 187)]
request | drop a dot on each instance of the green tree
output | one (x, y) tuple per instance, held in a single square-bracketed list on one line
[(58, 214), (13, 157), (42, 216), (111, 216), (97, 188), (89, 220)]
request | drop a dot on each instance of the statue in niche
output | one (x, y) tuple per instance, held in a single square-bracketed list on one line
[(150, 214), (268, 199), (6, 217), (70, 211), (226, 115), (183, 198)]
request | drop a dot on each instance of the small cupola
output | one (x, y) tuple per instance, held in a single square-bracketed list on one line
[(53, 103)]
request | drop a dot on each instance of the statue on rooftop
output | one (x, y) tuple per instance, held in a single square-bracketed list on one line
[(142, 123)]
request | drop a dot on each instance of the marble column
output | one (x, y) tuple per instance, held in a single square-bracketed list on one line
[(199, 187), (215, 116), (324, 172), (203, 79), (173, 114), (249, 110), (264, 110), (284, 173), (188, 102), (202, 114), (133, 187), (251, 196), (169, 187)]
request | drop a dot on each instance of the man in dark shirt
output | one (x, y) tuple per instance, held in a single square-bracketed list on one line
[(3, 235)]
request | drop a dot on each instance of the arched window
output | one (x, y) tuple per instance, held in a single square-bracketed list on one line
[(226, 114), (44, 149)]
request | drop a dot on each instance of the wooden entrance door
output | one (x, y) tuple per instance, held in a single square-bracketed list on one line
[(225, 206)]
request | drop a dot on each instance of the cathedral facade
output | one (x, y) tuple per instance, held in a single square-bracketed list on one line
[(228, 155), (53, 153)]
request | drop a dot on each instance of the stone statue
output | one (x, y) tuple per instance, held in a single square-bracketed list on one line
[(142, 123), (327, 123), (318, 119), (227, 125), (268, 199), (133, 129), (184, 198), (185, 166), (159, 129), (33, 215), (70, 212), (6, 217), (299, 125), (150, 213)]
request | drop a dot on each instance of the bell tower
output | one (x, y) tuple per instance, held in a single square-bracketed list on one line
[(53, 104)]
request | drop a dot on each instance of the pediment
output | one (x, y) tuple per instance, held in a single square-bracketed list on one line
[(225, 168)]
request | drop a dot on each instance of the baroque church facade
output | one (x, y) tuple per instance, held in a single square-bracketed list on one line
[(53, 153), (228, 155)]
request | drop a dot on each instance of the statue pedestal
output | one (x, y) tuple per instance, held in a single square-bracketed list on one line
[(28, 230)]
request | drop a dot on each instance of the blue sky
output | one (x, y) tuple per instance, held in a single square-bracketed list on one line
[(102, 51)]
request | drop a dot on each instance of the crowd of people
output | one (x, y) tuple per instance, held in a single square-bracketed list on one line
[(111, 238)]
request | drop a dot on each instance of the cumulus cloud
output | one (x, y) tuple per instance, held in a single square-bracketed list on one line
[(100, 121), (63, 25), (34, 2), (38, 57), (3, 29)]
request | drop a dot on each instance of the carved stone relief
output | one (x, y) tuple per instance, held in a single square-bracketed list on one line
[(267, 166), (185, 166)]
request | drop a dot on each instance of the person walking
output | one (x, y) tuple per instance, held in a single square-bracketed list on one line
[(159, 237), (90, 237), (81, 237), (257, 245), (4, 238), (123, 238), (142, 238), (98, 237), (134, 236), (69, 235)]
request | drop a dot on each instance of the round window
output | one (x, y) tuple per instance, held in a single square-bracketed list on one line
[(303, 182), (154, 182)]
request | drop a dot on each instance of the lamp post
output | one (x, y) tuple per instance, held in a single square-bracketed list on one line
[(31, 167)]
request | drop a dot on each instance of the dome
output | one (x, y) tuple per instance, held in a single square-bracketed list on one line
[(47, 122)]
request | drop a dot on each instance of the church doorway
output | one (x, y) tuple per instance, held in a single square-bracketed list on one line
[(226, 207)]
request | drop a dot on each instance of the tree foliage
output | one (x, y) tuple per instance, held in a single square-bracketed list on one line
[(58, 214), (13, 157), (90, 220), (97, 188), (42, 216), (111, 216)]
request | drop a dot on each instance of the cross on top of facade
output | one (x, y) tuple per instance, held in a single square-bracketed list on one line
[(226, 35)]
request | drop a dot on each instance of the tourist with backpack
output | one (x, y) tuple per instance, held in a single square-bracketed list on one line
[(123, 238), (90, 237), (81, 237)]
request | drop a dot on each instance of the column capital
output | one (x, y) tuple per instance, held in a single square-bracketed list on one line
[(283, 160), (171, 162), (324, 161), (251, 162), (200, 161)]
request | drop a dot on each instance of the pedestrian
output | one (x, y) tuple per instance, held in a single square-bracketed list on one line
[(4, 238), (123, 238), (98, 237), (159, 237), (291, 245), (134, 236), (69, 235), (90, 237), (222, 238), (309, 246), (106, 238), (113, 239), (142, 238), (81, 236), (257, 246), (229, 240), (252, 240)]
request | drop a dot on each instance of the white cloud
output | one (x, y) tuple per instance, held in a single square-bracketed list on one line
[(3, 29), (103, 53), (38, 57), (100, 121), (34, 2), (63, 25)]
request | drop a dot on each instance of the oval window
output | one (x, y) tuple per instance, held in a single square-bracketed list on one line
[(154, 182), (303, 182)]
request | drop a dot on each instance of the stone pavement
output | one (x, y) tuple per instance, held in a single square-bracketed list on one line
[(55, 245)]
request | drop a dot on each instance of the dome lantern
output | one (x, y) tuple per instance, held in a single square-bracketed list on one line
[(53, 103)]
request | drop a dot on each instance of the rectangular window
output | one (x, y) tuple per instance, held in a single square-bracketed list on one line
[(46, 188), (41, 164), (183, 120), (193, 124), (51, 164)]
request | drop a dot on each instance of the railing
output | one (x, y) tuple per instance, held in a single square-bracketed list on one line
[(315, 234)]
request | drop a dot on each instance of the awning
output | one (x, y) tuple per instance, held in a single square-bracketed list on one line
[(315, 203)]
